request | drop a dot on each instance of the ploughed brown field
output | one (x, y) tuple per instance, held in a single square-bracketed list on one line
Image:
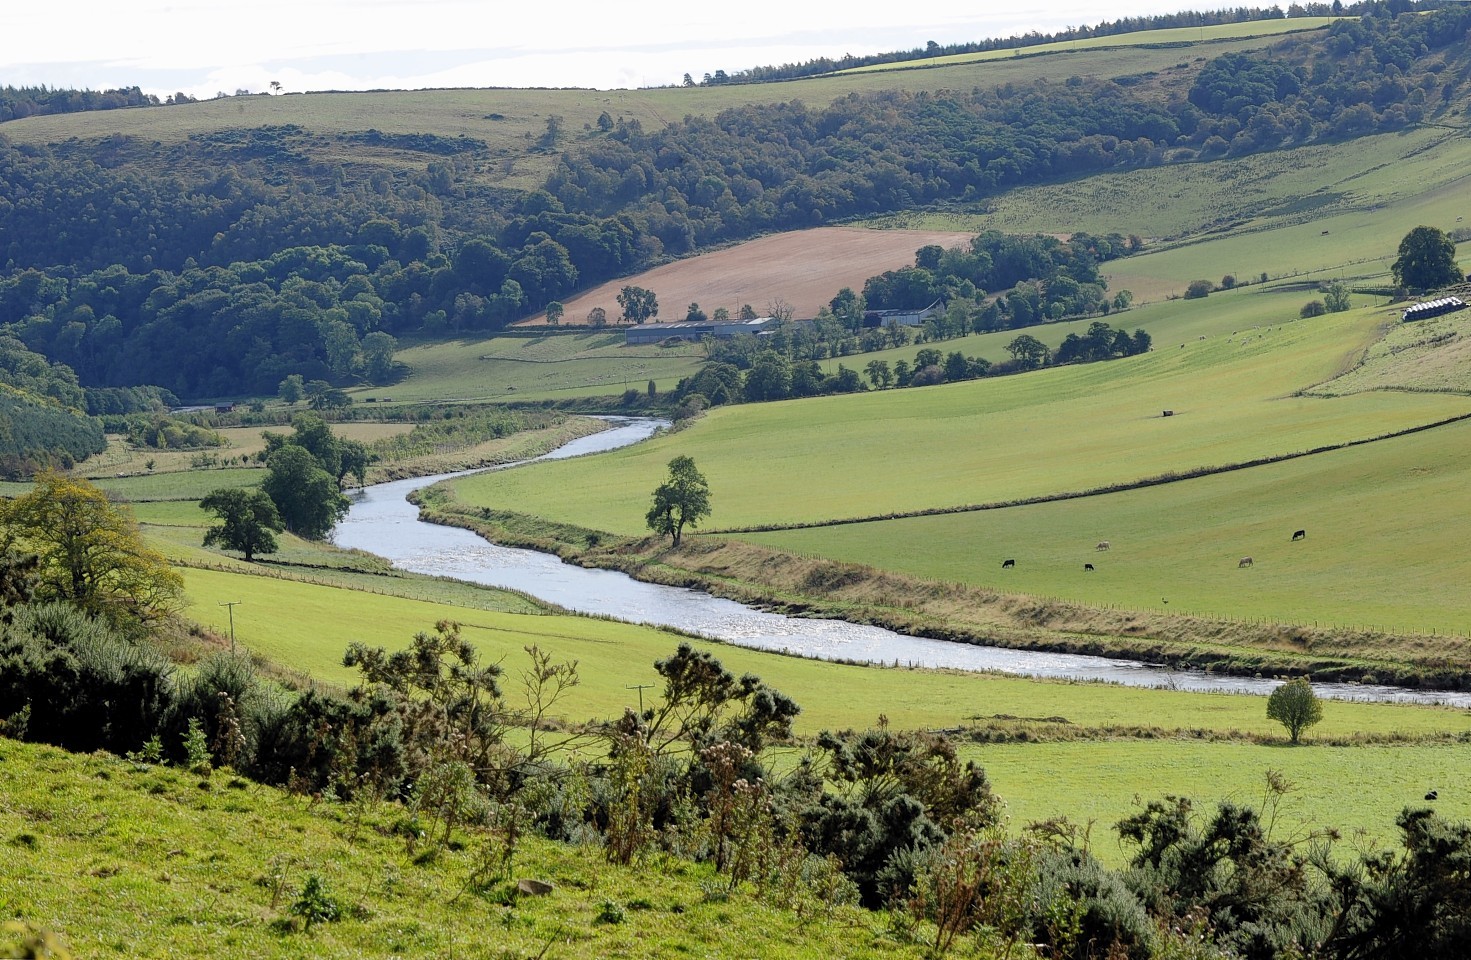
[(803, 270)]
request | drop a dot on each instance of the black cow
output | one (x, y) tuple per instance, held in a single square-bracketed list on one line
[(1299, 534), (1007, 564), (1088, 566), (1431, 795)]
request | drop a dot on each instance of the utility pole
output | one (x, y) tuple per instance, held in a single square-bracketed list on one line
[(640, 687), (231, 605)]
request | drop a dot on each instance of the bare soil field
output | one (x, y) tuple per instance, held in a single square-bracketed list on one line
[(804, 270)]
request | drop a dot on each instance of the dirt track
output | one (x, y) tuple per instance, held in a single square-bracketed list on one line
[(804, 269)]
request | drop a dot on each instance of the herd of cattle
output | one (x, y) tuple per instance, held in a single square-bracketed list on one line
[(1103, 545)]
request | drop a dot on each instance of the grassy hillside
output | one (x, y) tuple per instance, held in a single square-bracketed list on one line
[(1384, 542), (1249, 215), (1060, 430), (135, 860), (510, 121), (1174, 36)]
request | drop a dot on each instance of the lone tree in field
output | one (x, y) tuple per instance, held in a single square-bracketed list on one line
[(681, 500), (1295, 706), (248, 521), (1427, 259), (638, 304)]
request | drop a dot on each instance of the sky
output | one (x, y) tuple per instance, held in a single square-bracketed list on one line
[(205, 47)]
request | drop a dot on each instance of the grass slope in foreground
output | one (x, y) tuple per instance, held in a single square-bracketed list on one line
[(135, 861)]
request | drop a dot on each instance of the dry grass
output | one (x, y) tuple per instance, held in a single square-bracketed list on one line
[(1432, 354), (804, 270), (518, 446)]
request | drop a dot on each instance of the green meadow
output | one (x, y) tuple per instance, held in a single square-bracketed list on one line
[(1100, 746), (1385, 543), (123, 859), (1173, 36), (1058, 430), (550, 367), (1356, 790), (1316, 212)]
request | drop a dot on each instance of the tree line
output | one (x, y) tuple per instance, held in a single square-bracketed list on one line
[(789, 166), (229, 261)]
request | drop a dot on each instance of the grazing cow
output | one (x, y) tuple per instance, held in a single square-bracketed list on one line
[(1007, 564), (1299, 534), (1102, 546), (1431, 795), (1088, 567), (1243, 562)]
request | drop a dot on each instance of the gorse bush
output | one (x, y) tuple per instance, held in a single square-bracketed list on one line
[(86, 686)]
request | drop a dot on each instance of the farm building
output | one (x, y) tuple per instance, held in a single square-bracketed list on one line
[(694, 330), (902, 318), (1434, 308)]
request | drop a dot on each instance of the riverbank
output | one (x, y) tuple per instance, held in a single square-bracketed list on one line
[(811, 587), (500, 451)]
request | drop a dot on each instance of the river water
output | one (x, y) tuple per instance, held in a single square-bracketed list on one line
[(382, 521)]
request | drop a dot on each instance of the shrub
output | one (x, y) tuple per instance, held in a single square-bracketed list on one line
[(1198, 290), (315, 904), (87, 687), (1313, 308)]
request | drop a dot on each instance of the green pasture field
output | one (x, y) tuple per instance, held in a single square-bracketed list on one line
[(1168, 322), (183, 485), (1063, 429), (122, 458), (307, 627), (138, 860), (1095, 777), (552, 367), (171, 513), (1245, 216), (1357, 790), (1386, 528), (1174, 36)]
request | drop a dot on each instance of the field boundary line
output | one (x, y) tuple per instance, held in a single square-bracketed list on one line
[(1123, 487)]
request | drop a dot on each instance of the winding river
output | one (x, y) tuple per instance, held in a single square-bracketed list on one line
[(383, 522)]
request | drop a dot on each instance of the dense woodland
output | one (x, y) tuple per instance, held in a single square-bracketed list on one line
[(222, 265)]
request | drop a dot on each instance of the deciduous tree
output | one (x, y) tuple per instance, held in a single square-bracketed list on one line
[(248, 520), (682, 500), (306, 496), (1295, 706), (1427, 259), (639, 305), (89, 551), (1027, 351)]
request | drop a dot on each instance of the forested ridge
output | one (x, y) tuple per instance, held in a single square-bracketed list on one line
[(220, 265)]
